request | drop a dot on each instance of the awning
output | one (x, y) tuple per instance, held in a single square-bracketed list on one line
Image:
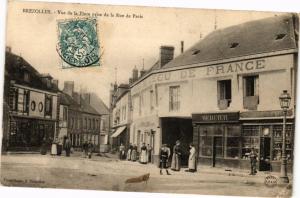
[(118, 131)]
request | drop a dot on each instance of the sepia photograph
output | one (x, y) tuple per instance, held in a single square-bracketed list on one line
[(149, 99)]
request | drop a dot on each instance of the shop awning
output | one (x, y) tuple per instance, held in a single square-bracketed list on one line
[(118, 131)]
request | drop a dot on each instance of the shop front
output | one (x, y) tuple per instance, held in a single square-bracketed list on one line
[(225, 140), (29, 133)]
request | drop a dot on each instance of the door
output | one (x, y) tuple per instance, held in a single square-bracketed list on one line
[(217, 149), (265, 153)]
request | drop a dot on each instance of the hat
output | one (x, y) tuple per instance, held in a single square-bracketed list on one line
[(177, 142), (164, 144)]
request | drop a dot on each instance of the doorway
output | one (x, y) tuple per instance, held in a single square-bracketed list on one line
[(265, 154), (217, 149)]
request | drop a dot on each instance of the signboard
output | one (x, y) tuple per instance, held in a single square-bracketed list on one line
[(216, 117)]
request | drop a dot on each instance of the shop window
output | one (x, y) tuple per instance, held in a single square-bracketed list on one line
[(250, 139), (277, 142), (224, 94), (174, 98), (48, 105), (206, 146), (251, 98)]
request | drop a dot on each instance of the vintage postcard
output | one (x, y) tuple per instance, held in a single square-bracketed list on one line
[(149, 99)]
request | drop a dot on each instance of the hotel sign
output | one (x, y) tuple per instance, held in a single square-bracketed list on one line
[(216, 117)]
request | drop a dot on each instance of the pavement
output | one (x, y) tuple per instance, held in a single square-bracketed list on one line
[(106, 172)]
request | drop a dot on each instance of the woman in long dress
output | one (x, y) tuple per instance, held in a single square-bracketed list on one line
[(54, 147), (192, 159), (134, 153), (129, 152), (143, 158), (176, 158)]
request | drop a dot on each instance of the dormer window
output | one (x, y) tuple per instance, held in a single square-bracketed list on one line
[(26, 76), (233, 45), (280, 36)]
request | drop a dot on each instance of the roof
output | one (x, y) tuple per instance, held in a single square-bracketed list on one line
[(98, 104), (15, 66), (259, 36), (84, 107)]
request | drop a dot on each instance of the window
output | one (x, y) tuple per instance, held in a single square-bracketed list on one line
[(250, 86), (233, 142), (251, 98), (174, 102), (65, 114), (26, 101), (26, 76), (224, 94), (13, 99), (277, 145), (90, 123), (85, 123), (48, 105), (94, 124), (250, 138)]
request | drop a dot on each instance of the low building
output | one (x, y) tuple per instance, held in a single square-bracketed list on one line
[(30, 105), (222, 95)]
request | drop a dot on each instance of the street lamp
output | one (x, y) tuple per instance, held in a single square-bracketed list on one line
[(285, 100)]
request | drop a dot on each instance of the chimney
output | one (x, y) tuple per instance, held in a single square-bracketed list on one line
[(142, 72), (55, 83), (182, 46), (166, 54), (135, 74), (8, 49), (130, 80), (69, 87)]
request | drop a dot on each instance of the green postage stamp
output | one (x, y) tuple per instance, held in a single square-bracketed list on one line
[(78, 43)]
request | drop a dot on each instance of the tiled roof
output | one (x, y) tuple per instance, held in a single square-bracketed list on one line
[(16, 65), (260, 36)]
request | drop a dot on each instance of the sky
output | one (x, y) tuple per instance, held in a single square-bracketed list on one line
[(124, 42)]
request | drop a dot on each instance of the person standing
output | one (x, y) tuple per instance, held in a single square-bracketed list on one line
[(129, 152), (85, 149), (44, 146), (54, 147), (192, 165), (176, 158), (164, 155), (149, 153), (90, 148), (134, 153), (67, 147), (59, 146), (122, 152), (253, 160), (143, 156)]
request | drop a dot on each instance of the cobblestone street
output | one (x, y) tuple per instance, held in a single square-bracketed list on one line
[(108, 173)]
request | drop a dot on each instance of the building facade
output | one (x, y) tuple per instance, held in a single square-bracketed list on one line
[(30, 100), (83, 120), (221, 95), (121, 112)]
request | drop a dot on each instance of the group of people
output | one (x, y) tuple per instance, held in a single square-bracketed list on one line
[(164, 156), (132, 153), (57, 146)]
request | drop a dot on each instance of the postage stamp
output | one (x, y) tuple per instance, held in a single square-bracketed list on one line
[(78, 43)]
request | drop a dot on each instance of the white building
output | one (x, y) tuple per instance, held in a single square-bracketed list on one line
[(222, 95)]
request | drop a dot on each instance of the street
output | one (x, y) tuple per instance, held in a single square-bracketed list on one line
[(108, 173)]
